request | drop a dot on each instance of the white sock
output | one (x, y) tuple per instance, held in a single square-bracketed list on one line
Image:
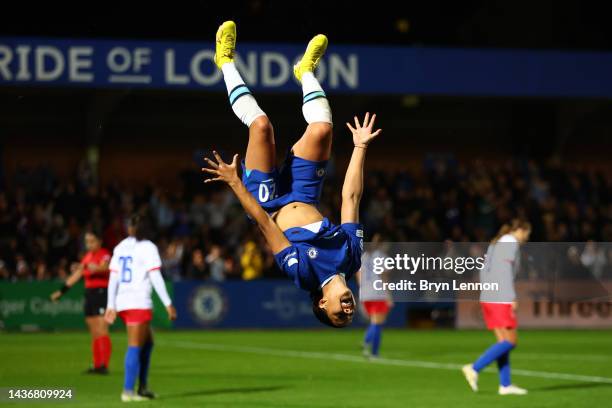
[(316, 107), (243, 103)]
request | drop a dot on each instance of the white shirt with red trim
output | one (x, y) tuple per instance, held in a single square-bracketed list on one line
[(501, 266), (132, 261)]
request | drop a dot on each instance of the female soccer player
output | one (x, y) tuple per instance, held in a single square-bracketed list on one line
[(319, 256), (94, 269), (135, 269), (501, 264), (377, 304)]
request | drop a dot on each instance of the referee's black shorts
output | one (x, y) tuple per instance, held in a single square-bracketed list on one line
[(95, 302)]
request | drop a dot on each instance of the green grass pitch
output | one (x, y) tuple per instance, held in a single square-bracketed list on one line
[(318, 369)]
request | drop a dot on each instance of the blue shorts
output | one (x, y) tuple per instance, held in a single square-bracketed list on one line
[(298, 180)]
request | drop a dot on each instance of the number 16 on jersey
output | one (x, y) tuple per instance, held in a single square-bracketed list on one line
[(126, 270)]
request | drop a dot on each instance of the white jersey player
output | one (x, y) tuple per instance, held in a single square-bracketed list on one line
[(499, 310), (135, 269), (135, 266)]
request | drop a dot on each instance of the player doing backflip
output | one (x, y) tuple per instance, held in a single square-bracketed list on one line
[(319, 256)]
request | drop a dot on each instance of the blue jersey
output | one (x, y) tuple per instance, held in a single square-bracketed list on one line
[(313, 257), (298, 180)]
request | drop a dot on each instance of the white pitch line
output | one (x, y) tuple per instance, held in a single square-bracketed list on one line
[(383, 361), (591, 358), (595, 358)]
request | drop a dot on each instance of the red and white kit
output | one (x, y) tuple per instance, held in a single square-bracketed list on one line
[(135, 271)]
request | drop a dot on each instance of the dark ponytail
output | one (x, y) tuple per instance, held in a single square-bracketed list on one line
[(141, 227)]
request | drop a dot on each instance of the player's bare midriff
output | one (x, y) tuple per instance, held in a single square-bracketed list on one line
[(296, 215)]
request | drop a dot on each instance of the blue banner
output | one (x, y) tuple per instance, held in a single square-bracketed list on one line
[(268, 67), (253, 304)]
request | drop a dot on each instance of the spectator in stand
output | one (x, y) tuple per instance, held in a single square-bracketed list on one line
[(197, 268), (62, 269), (251, 261), (217, 209), (607, 271), (114, 232), (42, 218), (198, 210), (59, 238), (572, 267), (162, 210), (41, 272), (379, 206), (594, 258), (22, 268), (216, 264), (172, 259)]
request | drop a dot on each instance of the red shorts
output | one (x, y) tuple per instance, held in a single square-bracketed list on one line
[(376, 306), (136, 316), (498, 315)]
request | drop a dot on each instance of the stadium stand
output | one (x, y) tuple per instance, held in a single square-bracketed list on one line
[(202, 233)]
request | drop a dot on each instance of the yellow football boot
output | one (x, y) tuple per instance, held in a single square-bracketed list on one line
[(226, 43), (314, 51)]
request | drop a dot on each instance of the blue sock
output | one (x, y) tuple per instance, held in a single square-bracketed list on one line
[(145, 360), (132, 363), (368, 335), (492, 354), (503, 363), (376, 335)]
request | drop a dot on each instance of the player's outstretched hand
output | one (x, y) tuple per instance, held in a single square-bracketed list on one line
[(171, 312), (110, 315), (362, 133), (222, 171), (55, 296)]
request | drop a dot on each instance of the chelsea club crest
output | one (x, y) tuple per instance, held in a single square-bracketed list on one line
[(312, 253)]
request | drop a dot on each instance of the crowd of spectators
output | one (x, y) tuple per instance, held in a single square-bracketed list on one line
[(202, 232)]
